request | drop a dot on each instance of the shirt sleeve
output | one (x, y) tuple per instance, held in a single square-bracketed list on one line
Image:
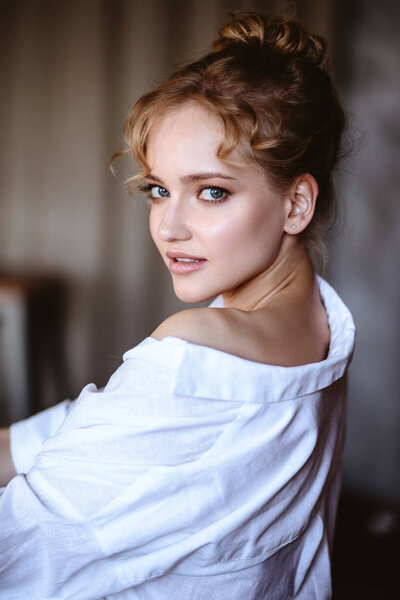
[(26, 436), (139, 481), (62, 522)]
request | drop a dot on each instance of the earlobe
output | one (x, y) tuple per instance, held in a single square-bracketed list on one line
[(302, 199)]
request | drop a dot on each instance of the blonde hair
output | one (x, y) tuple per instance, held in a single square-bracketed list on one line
[(268, 81)]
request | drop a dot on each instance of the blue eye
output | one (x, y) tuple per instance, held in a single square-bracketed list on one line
[(213, 194), (155, 191), (158, 192)]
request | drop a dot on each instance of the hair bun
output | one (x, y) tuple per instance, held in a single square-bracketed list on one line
[(241, 29), (285, 35), (290, 37)]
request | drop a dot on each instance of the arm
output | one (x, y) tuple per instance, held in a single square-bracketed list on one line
[(21, 443), (94, 488), (144, 479), (7, 469)]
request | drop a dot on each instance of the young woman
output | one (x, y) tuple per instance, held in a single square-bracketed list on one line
[(209, 466)]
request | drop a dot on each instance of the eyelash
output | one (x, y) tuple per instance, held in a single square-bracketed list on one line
[(223, 198), (147, 188)]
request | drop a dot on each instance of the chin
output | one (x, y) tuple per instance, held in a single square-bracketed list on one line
[(192, 296)]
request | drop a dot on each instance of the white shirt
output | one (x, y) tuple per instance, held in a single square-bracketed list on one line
[(194, 474)]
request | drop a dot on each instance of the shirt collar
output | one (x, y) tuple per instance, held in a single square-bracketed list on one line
[(205, 372)]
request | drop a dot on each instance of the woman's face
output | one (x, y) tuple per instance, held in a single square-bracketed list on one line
[(216, 225)]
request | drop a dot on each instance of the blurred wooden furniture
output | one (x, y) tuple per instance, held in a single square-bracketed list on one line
[(32, 360)]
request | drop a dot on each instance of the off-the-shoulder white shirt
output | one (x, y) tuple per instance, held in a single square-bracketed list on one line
[(194, 474)]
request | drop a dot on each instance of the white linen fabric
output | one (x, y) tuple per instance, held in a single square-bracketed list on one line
[(194, 474)]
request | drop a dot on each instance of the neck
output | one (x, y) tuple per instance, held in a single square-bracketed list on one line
[(290, 271)]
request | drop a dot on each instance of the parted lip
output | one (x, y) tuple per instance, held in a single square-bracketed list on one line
[(171, 254)]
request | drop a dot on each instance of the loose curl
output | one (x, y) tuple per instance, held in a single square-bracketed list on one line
[(268, 81)]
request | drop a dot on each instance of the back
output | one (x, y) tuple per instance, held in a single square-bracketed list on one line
[(291, 329), (213, 476)]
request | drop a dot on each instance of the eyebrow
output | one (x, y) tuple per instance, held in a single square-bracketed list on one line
[(195, 177)]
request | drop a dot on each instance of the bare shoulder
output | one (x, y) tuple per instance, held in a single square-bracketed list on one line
[(273, 336), (204, 326), (227, 329)]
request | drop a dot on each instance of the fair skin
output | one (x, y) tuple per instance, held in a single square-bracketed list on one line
[(242, 243)]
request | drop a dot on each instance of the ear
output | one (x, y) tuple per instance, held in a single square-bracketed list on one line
[(301, 199)]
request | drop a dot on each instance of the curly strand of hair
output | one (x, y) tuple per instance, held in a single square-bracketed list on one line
[(290, 37), (243, 26)]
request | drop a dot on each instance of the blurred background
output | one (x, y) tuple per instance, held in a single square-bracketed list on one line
[(80, 282)]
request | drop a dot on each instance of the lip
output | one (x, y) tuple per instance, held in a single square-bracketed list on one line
[(183, 268), (174, 255)]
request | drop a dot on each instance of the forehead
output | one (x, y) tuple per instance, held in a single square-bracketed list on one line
[(185, 127), (189, 135)]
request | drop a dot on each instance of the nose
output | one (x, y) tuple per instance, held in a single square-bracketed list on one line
[(173, 224)]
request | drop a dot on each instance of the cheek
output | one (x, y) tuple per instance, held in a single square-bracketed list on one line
[(263, 226), (219, 236), (257, 230), (153, 225)]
